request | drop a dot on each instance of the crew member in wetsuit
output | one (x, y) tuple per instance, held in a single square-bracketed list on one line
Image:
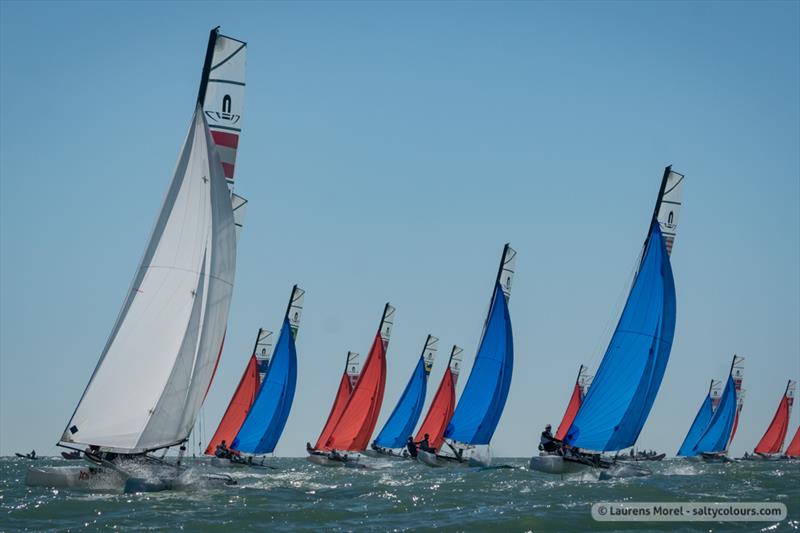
[(411, 446), (222, 451), (548, 443), (425, 445)]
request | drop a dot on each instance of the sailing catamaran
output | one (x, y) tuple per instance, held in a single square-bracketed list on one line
[(158, 362), (444, 402), (793, 450), (391, 440), (616, 406), (245, 393), (481, 405), (347, 434), (266, 417), (771, 444), (346, 385), (711, 443)]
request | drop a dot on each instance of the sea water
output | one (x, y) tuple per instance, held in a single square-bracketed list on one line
[(398, 496)]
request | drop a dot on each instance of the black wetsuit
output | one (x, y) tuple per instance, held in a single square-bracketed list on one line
[(411, 446), (548, 443)]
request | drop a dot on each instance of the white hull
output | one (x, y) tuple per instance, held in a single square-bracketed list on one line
[(388, 456), (351, 460), (80, 477), (555, 464), (437, 461)]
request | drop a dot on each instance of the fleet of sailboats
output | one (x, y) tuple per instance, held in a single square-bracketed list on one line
[(161, 356)]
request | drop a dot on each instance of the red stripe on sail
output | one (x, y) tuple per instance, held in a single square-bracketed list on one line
[(440, 412), (355, 426), (342, 394), (794, 447), (223, 138), (773, 438), (237, 410), (227, 168), (572, 410)]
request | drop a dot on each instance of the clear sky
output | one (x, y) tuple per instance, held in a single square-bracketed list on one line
[(389, 151)]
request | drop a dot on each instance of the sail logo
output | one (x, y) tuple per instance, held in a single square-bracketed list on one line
[(225, 114)]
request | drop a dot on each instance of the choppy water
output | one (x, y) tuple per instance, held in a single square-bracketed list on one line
[(399, 496)]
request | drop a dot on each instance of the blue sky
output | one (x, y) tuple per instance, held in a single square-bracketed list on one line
[(389, 151)]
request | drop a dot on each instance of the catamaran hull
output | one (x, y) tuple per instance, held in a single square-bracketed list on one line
[(80, 477), (390, 456), (715, 458), (227, 463), (438, 461), (555, 464)]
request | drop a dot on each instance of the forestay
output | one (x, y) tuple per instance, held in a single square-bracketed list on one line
[(159, 359)]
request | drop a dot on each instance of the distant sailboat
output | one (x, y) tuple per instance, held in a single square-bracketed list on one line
[(701, 419), (354, 426), (771, 444), (346, 385), (160, 358), (711, 443), (484, 397), (266, 417), (443, 404), (793, 450), (616, 406), (400, 425), (245, 393)]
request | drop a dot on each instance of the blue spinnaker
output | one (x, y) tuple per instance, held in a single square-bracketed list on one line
[(698, 427), (267, 417), (624, 388), (716, 434), (484, 397), (406, 413)]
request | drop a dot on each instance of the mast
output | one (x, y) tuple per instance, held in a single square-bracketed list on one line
[(661, 190), (212, 40)]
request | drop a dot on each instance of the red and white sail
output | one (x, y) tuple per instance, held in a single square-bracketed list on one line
[(222, 95), (772, 441), (578, 393), (359, 416), (346, 385), (737, 372), (443, 404)]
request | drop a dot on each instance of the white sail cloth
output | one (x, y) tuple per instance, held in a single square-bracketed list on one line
[(159, 360)]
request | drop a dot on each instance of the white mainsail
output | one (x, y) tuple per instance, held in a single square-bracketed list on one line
[(159, 360)]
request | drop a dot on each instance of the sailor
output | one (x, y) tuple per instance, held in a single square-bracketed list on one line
[(411, 446), (425, 445), (547, 442), (32, 455), (222, 451)]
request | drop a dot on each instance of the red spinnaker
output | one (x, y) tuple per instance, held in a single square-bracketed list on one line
[(342, 394), (237, 410), (440, 412), (572, 409), (357, 421), (773, 438), (735, 423), (794, 447)]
